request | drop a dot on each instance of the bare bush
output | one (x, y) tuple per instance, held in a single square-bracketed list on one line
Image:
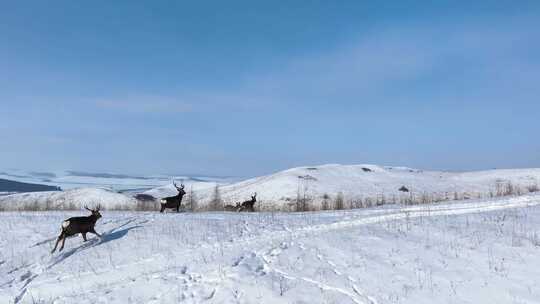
[(325, 205), (216, 204), (426, 198), (191, 200), (508, 189), (142, 205), (356, 203), (339, 203), (303, 198), (368, 202), (381, 200), (533, 188)]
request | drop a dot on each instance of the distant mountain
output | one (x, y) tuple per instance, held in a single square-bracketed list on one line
[(7, 185), (114, 181), (43, 174), (69, 199), (103, 175)]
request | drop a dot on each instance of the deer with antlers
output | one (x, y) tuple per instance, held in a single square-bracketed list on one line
[(79, 224), (173, 202), (248, 205)]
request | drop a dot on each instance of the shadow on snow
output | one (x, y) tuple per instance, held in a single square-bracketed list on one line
[(111, 235)]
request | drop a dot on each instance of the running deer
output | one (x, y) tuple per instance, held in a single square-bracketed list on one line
[(173, 202), (248, 205), (79, 224), (233, 208)]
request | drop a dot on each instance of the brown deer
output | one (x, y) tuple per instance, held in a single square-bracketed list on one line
[(76, 225), (248, 205), (232, 208), (173, 202)]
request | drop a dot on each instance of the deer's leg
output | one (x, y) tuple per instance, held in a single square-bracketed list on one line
[(94, 232), (162, 208), (57, 241), (63, 242), (84, 236)]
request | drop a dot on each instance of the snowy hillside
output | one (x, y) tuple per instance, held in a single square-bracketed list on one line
[(479, 251), (70, 199), (116, 182), (360, 182)]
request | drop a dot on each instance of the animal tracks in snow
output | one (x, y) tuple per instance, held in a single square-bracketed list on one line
[(213, 257)]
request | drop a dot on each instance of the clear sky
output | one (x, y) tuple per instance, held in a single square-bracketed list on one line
[(244, 88)]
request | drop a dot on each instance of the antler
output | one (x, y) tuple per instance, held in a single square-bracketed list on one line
[(98, 207), (181, 185)]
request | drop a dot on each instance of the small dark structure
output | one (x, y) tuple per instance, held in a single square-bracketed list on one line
[(76, 225), (403, 189), (144, 197), (247, 206), (307, 177), (173, 202), (367, 169)]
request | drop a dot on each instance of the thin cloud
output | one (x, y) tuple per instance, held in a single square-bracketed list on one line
[(147, 104), (380, 61), (370, 68)]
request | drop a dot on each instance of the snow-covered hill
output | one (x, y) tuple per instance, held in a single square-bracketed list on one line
[(70, 199), (371, 182), (116, 182)]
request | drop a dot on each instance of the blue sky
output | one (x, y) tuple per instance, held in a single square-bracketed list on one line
[(245, 88)]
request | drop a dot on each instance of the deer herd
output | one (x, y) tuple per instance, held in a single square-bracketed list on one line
[(85, 224), (245, 206), (175, 202)]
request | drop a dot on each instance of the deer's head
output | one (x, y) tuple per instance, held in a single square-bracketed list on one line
[(180, 189), (95, 212)]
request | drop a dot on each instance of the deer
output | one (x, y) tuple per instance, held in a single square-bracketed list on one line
[(173, 202), (233, 208), (248, 205), (79, 224)]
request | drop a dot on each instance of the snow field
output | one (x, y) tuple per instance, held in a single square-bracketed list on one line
[(485, 251)]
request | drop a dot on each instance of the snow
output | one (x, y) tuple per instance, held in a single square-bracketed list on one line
[(475, 251), (70, 199), (2, 193), (169, 189), (280, 190), (116, 182)]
